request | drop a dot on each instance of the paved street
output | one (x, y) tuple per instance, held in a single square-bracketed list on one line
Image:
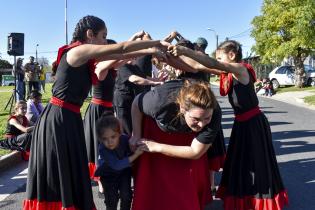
[(293, 131)]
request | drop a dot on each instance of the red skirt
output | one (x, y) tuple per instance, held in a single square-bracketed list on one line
[(167, 183)]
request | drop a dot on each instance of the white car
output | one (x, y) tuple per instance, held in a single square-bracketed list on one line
[(284, 75)]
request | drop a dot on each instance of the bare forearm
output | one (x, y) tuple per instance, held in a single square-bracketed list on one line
[(186, 152), (81, 54), (134, 54), (198, 66), (133, 157), (141, 81)]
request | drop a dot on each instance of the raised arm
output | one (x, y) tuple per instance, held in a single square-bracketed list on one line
[(173, 35), (187, 64), (81, 54), (236, 68)]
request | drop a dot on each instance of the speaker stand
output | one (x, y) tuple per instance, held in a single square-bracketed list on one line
[(12, 99)]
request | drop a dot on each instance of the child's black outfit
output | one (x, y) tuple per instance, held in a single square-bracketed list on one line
[(115, 172)]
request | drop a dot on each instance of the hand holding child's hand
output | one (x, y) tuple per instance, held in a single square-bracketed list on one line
[(148, 145)]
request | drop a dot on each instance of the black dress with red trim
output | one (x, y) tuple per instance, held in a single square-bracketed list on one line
[(251, 177), (15, 139), (58, 175), (102, 99)]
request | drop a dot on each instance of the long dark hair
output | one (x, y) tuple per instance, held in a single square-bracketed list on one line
[(88, 22)]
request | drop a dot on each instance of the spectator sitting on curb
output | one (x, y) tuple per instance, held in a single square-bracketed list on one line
[(18, 133)]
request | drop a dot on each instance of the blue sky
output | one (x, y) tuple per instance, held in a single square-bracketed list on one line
[(43, 22)]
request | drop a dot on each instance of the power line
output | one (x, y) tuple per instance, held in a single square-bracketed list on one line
[(244, 33)]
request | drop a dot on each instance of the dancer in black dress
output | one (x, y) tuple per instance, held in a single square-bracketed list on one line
[(251, 179), (58, 175), (102, 97)]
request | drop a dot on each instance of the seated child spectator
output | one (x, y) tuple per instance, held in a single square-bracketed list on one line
[(34, 106), (115, 159), (18, 133), (267, 86)]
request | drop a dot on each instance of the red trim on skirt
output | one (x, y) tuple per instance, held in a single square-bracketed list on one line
[(25, 155), (251, 202), (44, 205), (66, 105), (101, 102), (248, 115), (216, 163), (92, 169)]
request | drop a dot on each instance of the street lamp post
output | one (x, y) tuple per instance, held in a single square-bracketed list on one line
[(66, 23), (216, 36), (36, 52)]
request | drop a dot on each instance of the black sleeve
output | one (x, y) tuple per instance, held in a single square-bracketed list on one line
[(125, 72), (149, 103), (209, 132)]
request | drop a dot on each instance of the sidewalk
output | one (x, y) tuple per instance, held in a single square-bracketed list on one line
[(294, 98)]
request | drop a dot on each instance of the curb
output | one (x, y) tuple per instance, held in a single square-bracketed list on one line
[(10, 160)]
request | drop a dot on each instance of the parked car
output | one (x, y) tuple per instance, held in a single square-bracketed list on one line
[(310, 75), (7, 80), (284, 75)]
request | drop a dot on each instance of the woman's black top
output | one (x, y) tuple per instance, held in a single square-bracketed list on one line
[(160, 105)]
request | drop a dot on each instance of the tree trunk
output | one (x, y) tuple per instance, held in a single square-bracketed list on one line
[(299, 73)]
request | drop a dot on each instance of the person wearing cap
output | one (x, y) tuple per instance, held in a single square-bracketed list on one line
[(31, 75), (20, 85), (201, 45)]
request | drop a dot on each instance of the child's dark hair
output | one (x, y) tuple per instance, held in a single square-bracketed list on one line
[(234, 46), (34, 94), (107, 121)]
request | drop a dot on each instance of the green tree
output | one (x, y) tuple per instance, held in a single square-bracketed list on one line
[(4, 64), (286, 28)]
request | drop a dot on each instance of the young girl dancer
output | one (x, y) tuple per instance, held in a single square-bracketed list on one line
[(251, 179), (58, 175)]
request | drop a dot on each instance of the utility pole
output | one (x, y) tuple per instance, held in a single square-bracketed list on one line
[(36, 52), (216, 36), (66, 23)]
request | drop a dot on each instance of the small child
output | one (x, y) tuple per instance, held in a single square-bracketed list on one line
[(18, 134), (267, 86), (114, 162)]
